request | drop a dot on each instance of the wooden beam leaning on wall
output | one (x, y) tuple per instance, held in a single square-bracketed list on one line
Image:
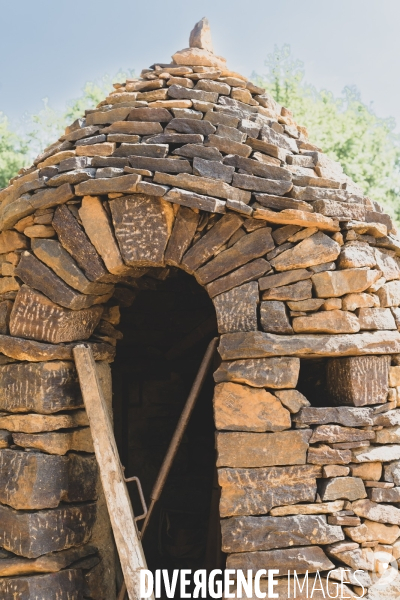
[(119, 506)]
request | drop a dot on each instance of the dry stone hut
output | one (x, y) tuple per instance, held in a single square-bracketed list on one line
[(190, 203)]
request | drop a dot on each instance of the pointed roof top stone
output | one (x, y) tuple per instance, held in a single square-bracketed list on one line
[(200, 36), (200, 52)]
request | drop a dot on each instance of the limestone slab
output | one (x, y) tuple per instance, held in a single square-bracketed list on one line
[(358, 381), (35, 317), (44, 387), (275, 373), (250, 246), (52, 254), (248, 272), (98, 228), (75, 241), (79, 440), (244, 408), (380, 513), (303, 560), (345, 488), (315, 250), (33, 480), (251, 534), (274, 318), (143, 225), (256, 491), (338, 283), (55, 529), (258, 344), (238, 449), (236, 309)]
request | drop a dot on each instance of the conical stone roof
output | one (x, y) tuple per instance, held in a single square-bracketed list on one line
[(194, 134)]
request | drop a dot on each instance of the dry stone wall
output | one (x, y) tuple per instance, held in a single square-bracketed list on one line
[(192, 166)]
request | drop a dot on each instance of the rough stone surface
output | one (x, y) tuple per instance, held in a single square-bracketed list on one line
[(346, 488), (309, 559), (338, 283), (236, 310), (315, 250), (250, 534), (333, 321), (142, 225), (44, 387), (32, 480), (276, 373), (258, 344), (243, 408), (256, 491), (380, 513), (55, 529), (35, 317), (274, 318), (239, 449), (358, 381)]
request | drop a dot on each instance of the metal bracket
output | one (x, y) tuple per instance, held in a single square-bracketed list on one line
[(141, 495)]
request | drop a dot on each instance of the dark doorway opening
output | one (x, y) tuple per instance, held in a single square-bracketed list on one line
[(166, 333)]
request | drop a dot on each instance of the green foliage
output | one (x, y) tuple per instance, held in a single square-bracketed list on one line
[(49, 124), (13, 152), (344, 127)]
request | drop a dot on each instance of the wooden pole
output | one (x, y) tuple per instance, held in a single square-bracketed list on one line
[(127, 537)]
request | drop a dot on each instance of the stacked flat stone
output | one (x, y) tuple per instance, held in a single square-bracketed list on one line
[(192, 166)]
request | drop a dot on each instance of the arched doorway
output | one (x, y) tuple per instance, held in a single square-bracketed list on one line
[(166, 332)]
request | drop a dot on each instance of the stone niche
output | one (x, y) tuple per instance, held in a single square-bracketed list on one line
[(190, 204)]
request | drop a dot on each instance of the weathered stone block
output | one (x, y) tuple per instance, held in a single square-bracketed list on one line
[(243, 408), (44, 387), (182, 235), (315, 250), (256, 491), (344, 415), (142, 225), (302, 560), (332, 321), (346, 488), (324, 455), (262, 449), (65, 585), (79, 440), (236, 310), (98, 228), (338, 283), (31, 480), (302, 290), (276, 373), (75, 241), (55, 529), (389, 294), (250, 246), (376, 318), (377, 453), (258, 344), (358, 381), (292, 399), (274, 318), (250, 534), (380, 513), (36, 317), (333, 434)]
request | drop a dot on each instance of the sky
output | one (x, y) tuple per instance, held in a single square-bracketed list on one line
[(49, 49)]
